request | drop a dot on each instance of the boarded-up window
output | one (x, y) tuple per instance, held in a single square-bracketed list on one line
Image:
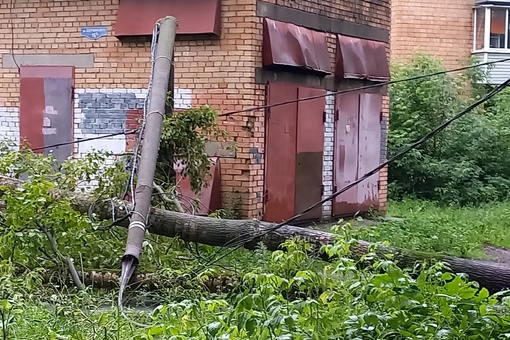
[(361, 59), (137, 18), (294, 47)]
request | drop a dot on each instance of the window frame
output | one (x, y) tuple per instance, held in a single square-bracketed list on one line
[(486, 29)]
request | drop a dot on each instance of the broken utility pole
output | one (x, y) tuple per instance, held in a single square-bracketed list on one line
[(150, 148)]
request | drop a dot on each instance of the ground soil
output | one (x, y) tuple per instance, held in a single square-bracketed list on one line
[(497, 254)]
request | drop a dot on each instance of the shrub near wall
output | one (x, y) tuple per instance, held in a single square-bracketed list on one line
[(469, 162)]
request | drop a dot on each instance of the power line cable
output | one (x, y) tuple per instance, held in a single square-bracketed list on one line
[(78, 141), (390, 82), (239, 241), (288, 102)]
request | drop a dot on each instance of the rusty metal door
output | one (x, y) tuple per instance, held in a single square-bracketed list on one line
[(345, 167), (369, 149), (357, 151), (309, 149), (46, 109), (294, 153), (280, 153)]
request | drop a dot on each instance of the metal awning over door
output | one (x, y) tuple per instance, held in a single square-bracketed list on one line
[(361, 59)]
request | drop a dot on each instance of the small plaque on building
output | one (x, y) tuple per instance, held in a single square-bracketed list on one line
[(94, 32)]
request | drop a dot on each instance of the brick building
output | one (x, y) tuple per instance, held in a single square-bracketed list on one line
[(77, 69), (453, 31)]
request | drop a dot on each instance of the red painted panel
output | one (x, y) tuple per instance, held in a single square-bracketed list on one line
[(280, 153), (310, 120), (47, 72), (132, 123), (32, 105), (286, 44), (46, 108), (136, 17), (209, 198), (309, 149), (369, 149), (361, 59), (345, 157)]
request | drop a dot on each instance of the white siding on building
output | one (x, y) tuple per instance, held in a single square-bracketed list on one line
[(499, 72)]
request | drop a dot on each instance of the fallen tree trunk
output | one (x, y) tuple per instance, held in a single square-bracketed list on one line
[(147, 281), (218, 232)]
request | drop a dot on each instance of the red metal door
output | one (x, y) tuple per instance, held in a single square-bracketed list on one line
[(345, 158), (369, 149), (46, 108), (309, 149), (280, 153)]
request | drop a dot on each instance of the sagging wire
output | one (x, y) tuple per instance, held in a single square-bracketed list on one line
[(78, 141), (366, 87), (136, 155), (123, 285), (242, 239), (11, 14)]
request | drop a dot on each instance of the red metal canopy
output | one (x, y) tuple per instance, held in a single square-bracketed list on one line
[(136, 18), (361, 59), (286, 44)]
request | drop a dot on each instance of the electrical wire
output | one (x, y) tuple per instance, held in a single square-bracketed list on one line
[(390, 82), (78, 141), (239, 241), (11, 14), (155, 33)]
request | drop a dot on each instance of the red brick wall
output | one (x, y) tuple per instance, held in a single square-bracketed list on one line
[(441, 28), (218, 71), (371, 12), (375, 13)]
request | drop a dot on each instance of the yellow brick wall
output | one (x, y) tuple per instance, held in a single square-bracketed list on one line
[(441, 28)]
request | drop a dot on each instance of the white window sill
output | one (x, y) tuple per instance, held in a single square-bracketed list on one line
[(492, 51)]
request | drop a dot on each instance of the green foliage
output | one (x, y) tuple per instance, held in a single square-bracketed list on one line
[(465, 164), (184, 137), (33, 208), (288, 295), (285, 294), (231, 210)]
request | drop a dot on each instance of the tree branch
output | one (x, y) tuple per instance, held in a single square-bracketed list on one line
[(69, 261), (165, 198)]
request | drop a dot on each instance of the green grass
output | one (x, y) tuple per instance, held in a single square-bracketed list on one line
[(450, 230)]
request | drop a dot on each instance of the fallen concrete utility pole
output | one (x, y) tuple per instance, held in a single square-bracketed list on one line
[(150, 148), (217, 232)]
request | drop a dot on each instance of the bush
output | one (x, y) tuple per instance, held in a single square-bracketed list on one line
[(467, 163)]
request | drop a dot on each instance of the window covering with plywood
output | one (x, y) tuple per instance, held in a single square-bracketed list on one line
[(292, 46), (137, 18), (361, 59)]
